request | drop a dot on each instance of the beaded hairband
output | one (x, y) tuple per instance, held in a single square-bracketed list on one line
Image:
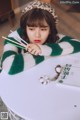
[(41, 5)]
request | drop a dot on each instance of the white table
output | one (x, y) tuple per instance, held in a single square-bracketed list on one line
[(26, 96)]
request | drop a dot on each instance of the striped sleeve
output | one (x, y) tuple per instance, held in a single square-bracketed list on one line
[(11, 59), (14, 62), (66, 45)]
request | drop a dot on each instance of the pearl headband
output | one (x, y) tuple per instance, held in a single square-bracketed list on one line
[(41, 5)]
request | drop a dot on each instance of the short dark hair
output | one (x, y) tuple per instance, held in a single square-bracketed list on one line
[(35, 17)]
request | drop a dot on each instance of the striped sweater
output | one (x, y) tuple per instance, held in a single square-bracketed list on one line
[(15, 60)]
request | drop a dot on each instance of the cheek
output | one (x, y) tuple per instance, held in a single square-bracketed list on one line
[(29, 34), (45, 35)]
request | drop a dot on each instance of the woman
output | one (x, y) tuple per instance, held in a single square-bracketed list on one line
[(38, 29)]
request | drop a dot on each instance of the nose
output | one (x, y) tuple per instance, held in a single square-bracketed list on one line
[(37, 33)]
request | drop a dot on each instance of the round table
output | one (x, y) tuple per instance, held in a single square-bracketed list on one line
[(26, 96)]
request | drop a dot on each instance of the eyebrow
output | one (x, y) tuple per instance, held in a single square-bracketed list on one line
[(44, 26), (38, 26)]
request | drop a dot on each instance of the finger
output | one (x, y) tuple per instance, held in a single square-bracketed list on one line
[(36, 52), (28, 46), (30, 50), (23, 45), (33, 51)]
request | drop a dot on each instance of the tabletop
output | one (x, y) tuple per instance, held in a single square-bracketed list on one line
[(26, 96)]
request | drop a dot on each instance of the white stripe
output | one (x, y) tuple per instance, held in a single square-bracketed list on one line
[(61, 36), (15, 35), (9, 47), (67, 48), (76, 40), (7, 63), (45, 50), (29, 61)]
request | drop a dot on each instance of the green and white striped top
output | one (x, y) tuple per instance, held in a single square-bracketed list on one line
[(15, 60)]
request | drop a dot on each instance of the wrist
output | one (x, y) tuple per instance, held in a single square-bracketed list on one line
[(45, 50)]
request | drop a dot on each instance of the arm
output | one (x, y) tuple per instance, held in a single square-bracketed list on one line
[(15, 60), (66, 45)]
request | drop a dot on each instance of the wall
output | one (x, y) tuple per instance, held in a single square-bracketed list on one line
[(18, 3), (23, 2)]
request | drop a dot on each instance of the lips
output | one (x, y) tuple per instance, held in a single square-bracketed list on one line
[(37, 41)]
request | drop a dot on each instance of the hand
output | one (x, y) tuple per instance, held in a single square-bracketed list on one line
[(33, 49)]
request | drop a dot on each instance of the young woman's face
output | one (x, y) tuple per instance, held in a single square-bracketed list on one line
[(38, 35)]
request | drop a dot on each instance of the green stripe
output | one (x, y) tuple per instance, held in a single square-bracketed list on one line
[(7, 54), (76, 46), (0, 71), (38, 59), (20, 32), (66, 38), (17, 65), (56, 49)]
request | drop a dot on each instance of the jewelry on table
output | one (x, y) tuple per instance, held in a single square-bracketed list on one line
[(45, 79)]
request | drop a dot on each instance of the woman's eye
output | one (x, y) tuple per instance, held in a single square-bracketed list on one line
[(43, 29), (31, 28)]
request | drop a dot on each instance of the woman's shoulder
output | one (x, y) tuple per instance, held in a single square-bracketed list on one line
[(18, 31), (66, 38), (16, 34), (61, 36)]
